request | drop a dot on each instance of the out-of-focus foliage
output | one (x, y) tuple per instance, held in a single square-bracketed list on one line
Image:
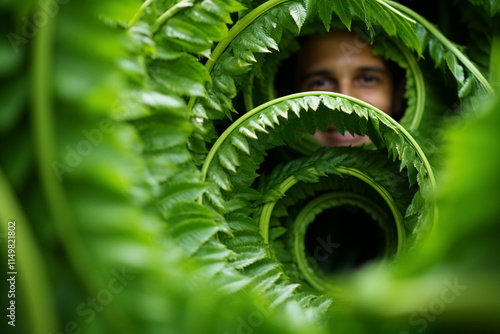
[(137, 212)]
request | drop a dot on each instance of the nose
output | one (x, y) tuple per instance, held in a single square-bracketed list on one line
[(344, 87)]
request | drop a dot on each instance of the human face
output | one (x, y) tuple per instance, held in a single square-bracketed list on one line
[(341, 62)]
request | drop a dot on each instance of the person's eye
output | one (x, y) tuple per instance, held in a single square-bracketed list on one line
[(368, 80), (320, 84)]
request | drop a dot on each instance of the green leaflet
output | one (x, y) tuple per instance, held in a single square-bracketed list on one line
[(249, 255), (282, 293), (180, 192), (183, 75), (191, 234), (187, 36), (267, 273), (162, 132), (298, 13), (342, 9)]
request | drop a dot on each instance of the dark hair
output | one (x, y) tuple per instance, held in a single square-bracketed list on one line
[(284, 81), (399, 87)]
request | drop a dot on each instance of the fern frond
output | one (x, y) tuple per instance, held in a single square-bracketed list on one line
[(376, 124), (444, 51)]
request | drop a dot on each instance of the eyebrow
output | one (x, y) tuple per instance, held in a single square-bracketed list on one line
[(327, 72), (377, 69), (313, 74)]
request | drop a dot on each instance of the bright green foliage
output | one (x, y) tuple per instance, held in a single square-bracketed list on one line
[(145, 141)]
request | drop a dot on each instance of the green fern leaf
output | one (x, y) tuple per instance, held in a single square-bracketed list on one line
[(298, 13), (281, 293), (248, 256), (190, 234), (220, 177), (343, 9), (241, 143), (455, 68), (325, 9), (181, 192), (188, 36), (183, 75)]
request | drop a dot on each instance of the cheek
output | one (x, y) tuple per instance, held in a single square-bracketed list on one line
[(379, 98)]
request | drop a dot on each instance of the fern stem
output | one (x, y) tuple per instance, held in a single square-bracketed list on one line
[(383, 3), (419, 84), (433, 30), (45, 148), (138, 14), (267, 211), (233, 32), (171, 12), (239, 27), (248, 96), (33, 276)]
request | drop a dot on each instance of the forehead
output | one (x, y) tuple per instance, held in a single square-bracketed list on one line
[(337, 48)]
